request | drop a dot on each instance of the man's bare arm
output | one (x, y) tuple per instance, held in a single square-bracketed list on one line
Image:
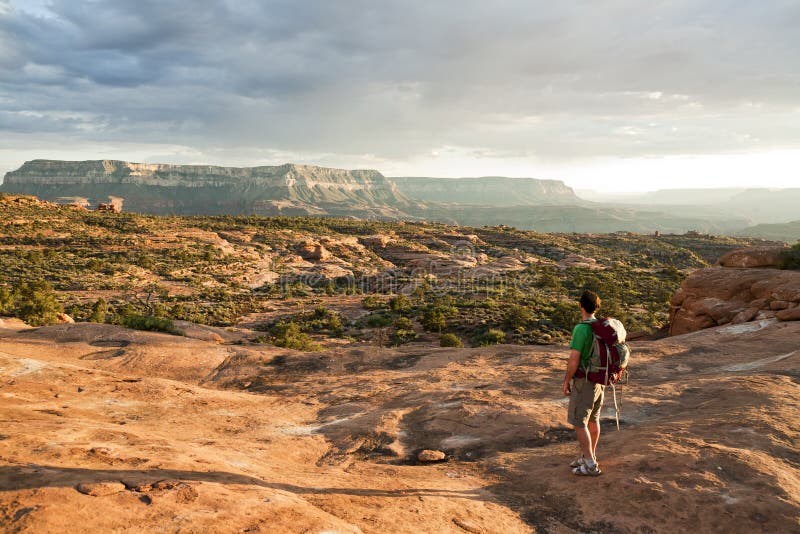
[(572, 368)]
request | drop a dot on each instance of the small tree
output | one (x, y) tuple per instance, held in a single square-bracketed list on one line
[(372, 302), (401, 336), (433, 320), (517, 316), (6, 301), (288, 335), (404, 323), (335, 326), (36, 303), (399, 303), (99, 311)]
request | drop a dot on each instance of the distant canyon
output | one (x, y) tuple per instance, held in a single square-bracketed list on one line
[(306, 190)]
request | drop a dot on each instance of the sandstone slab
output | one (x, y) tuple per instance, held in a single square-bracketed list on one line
[(100, 489), (431, 456), (719, 295), (792, 314), (752, 257)]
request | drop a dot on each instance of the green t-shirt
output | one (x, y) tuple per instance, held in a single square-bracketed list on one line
[(582, 339)]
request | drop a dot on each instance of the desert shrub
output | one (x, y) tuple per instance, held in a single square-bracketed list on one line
[(404, 323), (335, 326), (319, 321), (401, 336), (296, 289), (493, 337), (673, 274), (450, 340), (99, 311), (548, 280), (564, 315), (517, 316), (151, 323), (35, 303), (791, 258), (6, 301), (372, 302), (612, 308), (288, 335), (399, 303), (420, 292), (434, 320), (379, 320)]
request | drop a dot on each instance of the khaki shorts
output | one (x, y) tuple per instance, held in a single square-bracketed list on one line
[(585, 402)]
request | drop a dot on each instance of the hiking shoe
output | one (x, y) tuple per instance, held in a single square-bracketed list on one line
[(579, 462), (585, 471)]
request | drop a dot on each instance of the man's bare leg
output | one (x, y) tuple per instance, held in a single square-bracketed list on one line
[(585, 441), (594, 434)]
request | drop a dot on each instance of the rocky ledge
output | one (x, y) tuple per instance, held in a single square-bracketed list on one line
[(745, 285)]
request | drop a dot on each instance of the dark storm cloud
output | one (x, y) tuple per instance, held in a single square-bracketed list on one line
[(400, 78)]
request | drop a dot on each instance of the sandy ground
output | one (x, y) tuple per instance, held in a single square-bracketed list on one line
[(111, 430)]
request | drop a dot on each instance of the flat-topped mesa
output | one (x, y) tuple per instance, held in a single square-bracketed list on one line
[(119, 172), (288, 189), (495, 190)]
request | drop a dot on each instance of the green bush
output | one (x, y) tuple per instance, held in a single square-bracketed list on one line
[(493, 337), (335, 326), (99, 311), (488, 303), (319, 321), (565, 315), (35, 303), (288, 335), (517, 316), (372, 302), (401, 336), (6, 301), (404, 323), (379, 320), (151, 323), (399, 303), (434, 320), (450, 340)]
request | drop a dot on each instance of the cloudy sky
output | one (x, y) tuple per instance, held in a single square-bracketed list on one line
[(604, 94)]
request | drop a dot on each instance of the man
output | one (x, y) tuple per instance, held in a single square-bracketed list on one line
[(585, 397)]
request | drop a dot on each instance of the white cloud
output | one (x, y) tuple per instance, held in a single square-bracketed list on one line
[(526, 85)]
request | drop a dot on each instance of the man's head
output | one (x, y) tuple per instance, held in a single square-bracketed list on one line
[(590, 302)]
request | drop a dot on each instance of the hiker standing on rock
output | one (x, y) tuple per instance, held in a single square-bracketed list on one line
[(585, 397)]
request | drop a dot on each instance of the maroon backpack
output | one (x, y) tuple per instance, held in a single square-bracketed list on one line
[(610, 354)]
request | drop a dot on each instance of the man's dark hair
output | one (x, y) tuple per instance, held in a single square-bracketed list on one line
[(590, 301)]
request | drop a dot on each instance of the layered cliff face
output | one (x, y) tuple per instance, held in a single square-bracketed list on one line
[(300, 190), (493, 190), (206, 189)]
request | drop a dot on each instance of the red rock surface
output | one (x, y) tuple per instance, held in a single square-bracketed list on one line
[(207, 437), (722, 294), (752, 257)]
